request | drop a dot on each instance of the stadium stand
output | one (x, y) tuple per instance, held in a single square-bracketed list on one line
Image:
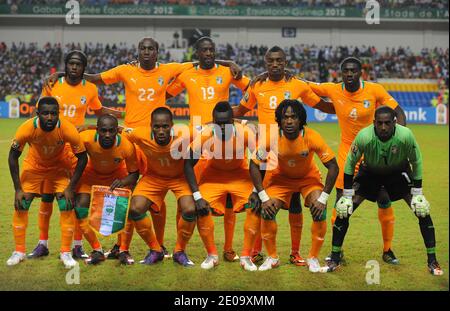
[(23, 76), (417, 4)]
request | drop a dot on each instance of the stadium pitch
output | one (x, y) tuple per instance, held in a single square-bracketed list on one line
[(363, 245)]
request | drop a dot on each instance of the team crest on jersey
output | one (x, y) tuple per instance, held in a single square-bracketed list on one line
[(83, 100), (304, 153), (128, 130), (246, 96), (161, 81), (117, 160), (287, 95), (394, 149), (366, 104), (219, 80)]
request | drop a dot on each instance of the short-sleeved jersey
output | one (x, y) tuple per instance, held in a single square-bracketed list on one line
[(105, 161), (205, 89), (74, 99), (295, 157), (383, 158), (354, 110), (145, 90), (269, 94), (229, 154), (160, 160), (47, 148)]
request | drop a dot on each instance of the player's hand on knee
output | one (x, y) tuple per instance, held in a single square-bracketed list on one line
[(19, 198), (69, 196), (202, 207), (344, 207), (254, 202), (269, 207), (317, 208), (419, 204)]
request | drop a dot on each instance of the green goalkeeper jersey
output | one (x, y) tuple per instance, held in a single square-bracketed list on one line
[(383, 158)]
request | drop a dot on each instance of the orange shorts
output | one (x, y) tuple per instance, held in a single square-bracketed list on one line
[(70, 160), (155, 189), (33, 178), (343, 151), (214, 185), (90, 178), (282, 188)]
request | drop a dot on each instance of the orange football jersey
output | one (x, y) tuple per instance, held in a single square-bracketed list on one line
[(145, 90), (74, 99), (106, 161), (268, 95), (205, 89), (160, 160), (294, 158), (225, 155), (47, 148), (354, 110)]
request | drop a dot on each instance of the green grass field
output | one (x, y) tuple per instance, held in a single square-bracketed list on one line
[(363, 243)]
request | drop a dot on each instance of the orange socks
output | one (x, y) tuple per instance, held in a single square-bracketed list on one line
[(144, 227), (296, 224), (318, 230), (387, 220), (124, 238), (205, 226), (185, 228), (159, 223), (252, 230), (67, 223), (20, 223), (89, 234), (269, 235), (45, 212), (229, 222), (257, 247), (333, 217), (78, 232)]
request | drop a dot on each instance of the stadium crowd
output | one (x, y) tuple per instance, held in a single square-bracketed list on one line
[(23, 76), (420, 4)]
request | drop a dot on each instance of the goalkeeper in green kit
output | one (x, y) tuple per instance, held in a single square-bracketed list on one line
[(391, 160)]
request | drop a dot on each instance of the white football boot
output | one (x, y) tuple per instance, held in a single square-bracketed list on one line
[(15, 258), (210, 262), (67, 260), (247, 263), (269, 263)]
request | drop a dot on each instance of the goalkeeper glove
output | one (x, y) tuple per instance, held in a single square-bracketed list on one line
[(344, 207), (419, 205)]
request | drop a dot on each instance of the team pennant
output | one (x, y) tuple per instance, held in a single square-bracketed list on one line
[(108, 212)]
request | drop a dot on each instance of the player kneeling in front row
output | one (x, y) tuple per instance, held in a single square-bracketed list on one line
[(295, 172), (108, 153), (390, 151), (47, 159)]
